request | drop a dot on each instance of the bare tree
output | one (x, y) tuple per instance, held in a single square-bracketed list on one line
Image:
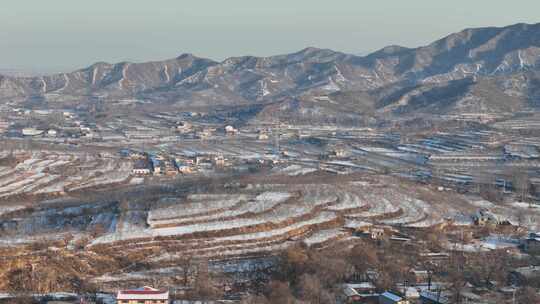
[(204, 287), (280, 293), (311, 288), (255, 299), (489, 266), (364, 257), (456, 275), (294, 262), (521, 182), (527, 295), (186, 263)]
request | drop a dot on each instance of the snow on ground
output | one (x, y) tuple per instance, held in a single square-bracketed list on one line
[(197, 205), (499, 242), (348, 164), (378, 206), (112, 174), (355, 223), (222, 224), (56, 187), (317, 195), (219, 209), (278, 215), (524, 205), (235, 213), (39, 184), (493, 242), (271, 235), (267, 200), (249, 250), (6, 172), (34, 174), (347, 200), (7, 209), (482, 204), (322, 236), (296, 170), (136, 181), (413, 211), (12, 188), (426, 223)]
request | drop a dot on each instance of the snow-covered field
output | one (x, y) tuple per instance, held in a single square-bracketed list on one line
[(43, 172), (323, 236), (258, 219)]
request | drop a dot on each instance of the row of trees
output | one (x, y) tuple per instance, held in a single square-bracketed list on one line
[(310, 276), (302, 274)]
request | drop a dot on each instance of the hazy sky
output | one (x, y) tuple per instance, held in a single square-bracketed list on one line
[(53, 35)]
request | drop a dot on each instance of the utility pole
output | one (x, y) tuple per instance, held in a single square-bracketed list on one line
[(277, 148)]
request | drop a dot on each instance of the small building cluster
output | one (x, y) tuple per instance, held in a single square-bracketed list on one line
[(160, 164)]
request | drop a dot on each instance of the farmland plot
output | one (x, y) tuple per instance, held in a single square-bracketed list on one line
[(43, 172), (212, 224)]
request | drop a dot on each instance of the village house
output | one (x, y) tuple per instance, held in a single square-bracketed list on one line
[(183, 127), (436, 258), (156, 165), (184, 168), (337, 151), (124, 152), (143, 295), (203, 160), (364, 292), (170, 168), (185, 165), (419, 276), (372, 232), (31, 132), (206, 133), (427, 297), (52, 133), (391, 298), (532, 243), (68, 115), (483, 217), (187, 160), (262, 136), (142, 167), (219, 160), (522, 275), (132, 154), (411, 293), (230, 130), (376, 233)]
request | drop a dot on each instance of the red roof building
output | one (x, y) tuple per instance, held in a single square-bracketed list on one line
[(143, 295)]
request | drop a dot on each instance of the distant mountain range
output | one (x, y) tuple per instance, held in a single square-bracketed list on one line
[(477, 70)]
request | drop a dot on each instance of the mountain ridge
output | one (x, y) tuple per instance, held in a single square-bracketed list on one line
[(507, 55)]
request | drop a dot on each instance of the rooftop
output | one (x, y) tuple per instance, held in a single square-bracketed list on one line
[(143, 293), (392, 296)]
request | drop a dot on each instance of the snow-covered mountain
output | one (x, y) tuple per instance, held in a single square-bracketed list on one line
[(465, 70)]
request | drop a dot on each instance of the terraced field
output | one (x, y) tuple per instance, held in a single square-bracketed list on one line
[(56, 173), (262, 220)]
